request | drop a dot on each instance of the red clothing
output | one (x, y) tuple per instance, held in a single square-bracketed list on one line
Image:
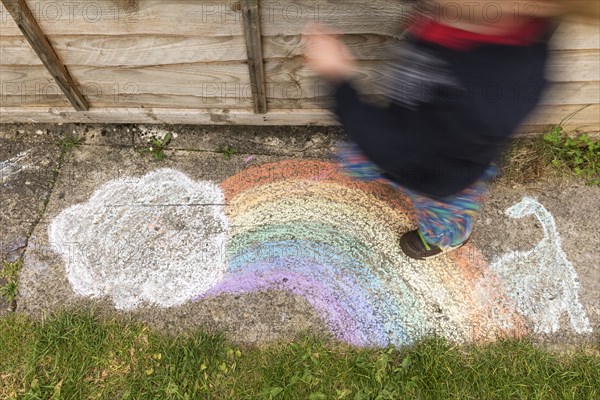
[(457, 39)]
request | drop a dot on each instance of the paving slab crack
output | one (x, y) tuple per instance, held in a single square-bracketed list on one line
[(41, 212)]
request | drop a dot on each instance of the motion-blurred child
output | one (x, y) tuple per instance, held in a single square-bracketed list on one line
[(468, 73)]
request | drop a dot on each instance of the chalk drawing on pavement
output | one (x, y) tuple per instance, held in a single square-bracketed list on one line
[(157, 239), (304, 227), (11, 167), (541, 281)]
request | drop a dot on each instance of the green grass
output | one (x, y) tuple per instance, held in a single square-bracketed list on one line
[(10, 275), (79, 356)]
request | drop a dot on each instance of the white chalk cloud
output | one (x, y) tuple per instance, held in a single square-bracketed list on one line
[(158, 239)]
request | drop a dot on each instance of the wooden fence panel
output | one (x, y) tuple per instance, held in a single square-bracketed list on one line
[(158, 60), (15, 50), (133, 50), (24, 81), (578, 117), (382, 17), (138, 17), (211, 84), (129, 50), (572, 35), (7, 23)]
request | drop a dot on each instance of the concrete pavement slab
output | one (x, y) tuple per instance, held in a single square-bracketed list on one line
[(314, 141), (44, 284), (100, 134), (274, 241), (574, 207), (26, 172)]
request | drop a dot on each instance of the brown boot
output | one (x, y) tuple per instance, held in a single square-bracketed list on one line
[(413, 244)]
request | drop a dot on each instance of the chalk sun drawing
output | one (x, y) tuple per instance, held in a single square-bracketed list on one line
[(158, 239), (541, 281)]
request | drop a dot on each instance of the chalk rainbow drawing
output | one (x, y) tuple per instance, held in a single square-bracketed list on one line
[(541, 281), (302, 226), (299, 226)]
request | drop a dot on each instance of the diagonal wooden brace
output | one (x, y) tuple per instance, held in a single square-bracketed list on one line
[(38, 41)]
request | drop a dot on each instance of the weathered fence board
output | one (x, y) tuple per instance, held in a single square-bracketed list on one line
[(574, 65), (32, 100), (207, 85), (565, 65), (565, 93), (582, 118), (27, 86), (170, 116), (142, 100), (210, 83), (7, 24), (585, 120), (577, 36), (382, 17), (133, 50), (119, 17), (15, 50), (209, 18)]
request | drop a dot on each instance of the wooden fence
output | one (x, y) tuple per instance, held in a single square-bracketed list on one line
[(224, 62)]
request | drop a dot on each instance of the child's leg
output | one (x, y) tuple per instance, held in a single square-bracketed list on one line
[(449, 222), (355, 164), (442, 222)]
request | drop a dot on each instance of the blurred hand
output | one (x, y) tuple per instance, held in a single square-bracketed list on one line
[(325, 54)]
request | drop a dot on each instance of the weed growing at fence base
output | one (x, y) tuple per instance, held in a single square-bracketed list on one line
[(156, 146), (578, 153), (228, 151), (69, 142), (78, 356), (555, 153)]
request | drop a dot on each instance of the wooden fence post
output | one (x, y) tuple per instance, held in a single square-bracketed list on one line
[(251, 19), (28, 25)]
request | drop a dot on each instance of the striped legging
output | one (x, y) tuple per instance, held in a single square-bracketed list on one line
[(446, 222)]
